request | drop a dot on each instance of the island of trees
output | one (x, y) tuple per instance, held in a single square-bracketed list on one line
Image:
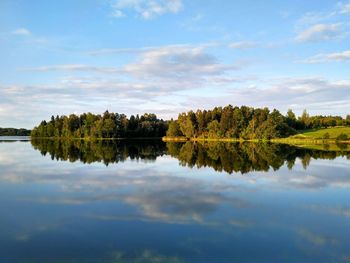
[(14, 132), (107, 125), (243, 123)]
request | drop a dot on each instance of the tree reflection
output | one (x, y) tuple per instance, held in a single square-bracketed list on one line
[(221, 156), (245, 157), (106, 151)]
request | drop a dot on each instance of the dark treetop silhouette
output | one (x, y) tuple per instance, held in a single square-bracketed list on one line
[(14, 132)]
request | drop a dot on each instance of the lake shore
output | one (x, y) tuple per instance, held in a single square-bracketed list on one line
[(277, 140)]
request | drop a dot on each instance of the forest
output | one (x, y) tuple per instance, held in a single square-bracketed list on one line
[(243, 122), (14, 132), (247, 123), (107, 125)]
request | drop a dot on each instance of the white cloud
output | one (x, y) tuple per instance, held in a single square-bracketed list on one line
[(320, 32), (169, 64), (344, 8), (320, 96), (167, 80), (343, 211), (152, 81), (140, 50), (312, 18), (178, 63), (325, 25), (73, 67), (316, 238), (21, 32), (335, 13), (147, 9), (243, 45), (107, 51), (118, 13), (167, 94), (330, 57)]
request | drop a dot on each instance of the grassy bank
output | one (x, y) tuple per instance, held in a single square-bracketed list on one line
[(318, 134)]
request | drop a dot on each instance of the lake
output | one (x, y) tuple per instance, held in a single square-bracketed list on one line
[(150, 201)]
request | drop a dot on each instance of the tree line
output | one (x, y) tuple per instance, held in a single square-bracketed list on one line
[(14, 132), (247, 123), (221, 122), (107, 125)]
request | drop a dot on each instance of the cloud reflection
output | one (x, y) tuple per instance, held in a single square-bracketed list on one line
[(164, 194)]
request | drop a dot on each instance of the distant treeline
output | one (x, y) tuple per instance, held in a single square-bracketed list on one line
[(14, 132), (107, 125), (246, 123)]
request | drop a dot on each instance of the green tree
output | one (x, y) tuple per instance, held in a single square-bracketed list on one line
[(291, 119), (186, 125), (174, 129), (305, 119), (214, 129)]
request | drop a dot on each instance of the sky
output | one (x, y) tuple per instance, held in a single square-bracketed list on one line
[(170, 56)]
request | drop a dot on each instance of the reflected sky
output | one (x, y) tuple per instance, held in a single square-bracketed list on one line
[(137, 210)]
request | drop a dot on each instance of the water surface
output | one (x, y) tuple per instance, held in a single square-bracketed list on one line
[(119, 201)]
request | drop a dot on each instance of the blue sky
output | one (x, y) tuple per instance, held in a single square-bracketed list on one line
[(136, 56)]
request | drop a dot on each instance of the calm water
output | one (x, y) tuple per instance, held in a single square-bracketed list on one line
[(176, 202)]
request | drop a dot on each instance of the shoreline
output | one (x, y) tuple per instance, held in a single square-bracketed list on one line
[(290, 141), (275, 140), (96, 139)]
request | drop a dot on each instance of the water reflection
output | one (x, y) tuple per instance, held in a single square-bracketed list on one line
[(9, 139), (228, 157), (106, 151), (247, 157), (156, 210)]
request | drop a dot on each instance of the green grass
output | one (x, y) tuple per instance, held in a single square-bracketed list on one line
[(316, 134), (314, 139)]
